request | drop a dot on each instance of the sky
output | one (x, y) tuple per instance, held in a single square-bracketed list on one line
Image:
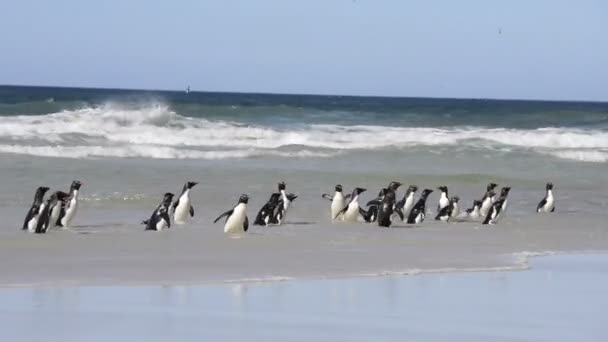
[(525, 49)]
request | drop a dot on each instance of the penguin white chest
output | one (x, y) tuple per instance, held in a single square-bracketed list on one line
[(419, 218), (550, 202), (409, 204), (182, 210), (70, 211), (161, 224), (54, 215), (486, 205), (455, 210), (31, 225), (475, 214), (443, 201), (337, 204), (235, 222), (352, 212)]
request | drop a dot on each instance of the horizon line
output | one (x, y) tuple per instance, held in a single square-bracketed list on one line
[(304, 94)]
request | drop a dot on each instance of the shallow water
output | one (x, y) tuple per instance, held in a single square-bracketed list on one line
[(562, 298)]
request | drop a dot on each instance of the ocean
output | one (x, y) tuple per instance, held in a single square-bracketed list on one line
[(129, 147)]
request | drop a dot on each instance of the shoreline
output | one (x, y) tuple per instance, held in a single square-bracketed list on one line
[(522, 262)]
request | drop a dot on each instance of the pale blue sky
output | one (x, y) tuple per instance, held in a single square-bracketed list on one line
[(548, 49)]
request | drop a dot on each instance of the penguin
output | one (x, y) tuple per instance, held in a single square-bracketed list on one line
[(49, 216), (418, 212), (32, 216), (281, 209), (499, 207), (473, 213), (487, 201), (182, 208), (407, 203), (444, 200), (373, 210), (451, 211), (285, 203), (352, 210), (547, 204), (69, 206), (236, 218), (338, 201), (267, 213), (160, 218), (387, 208)]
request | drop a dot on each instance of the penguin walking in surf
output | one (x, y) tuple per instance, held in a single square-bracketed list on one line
[(473, 213), (449, 212), (51, 211), (373, 211), (386, 205), (286, 199), (182, 209), (352, 210), (488, 199), (267, 214), (547, 204), (36, 209), (406, 204), (444, 200), (338, 202), (418, 212), (499, 207), (236, 218), (160, 218), (69, 206)]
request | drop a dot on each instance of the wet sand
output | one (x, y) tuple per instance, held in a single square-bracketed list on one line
[(202, 253), (562, 298)]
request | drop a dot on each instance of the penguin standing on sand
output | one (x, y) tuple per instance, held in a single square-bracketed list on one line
[(352, 210), (31, 219), (267, 213), (444, 200), (160, 217), (69, 206), (236, 218), (338, 202), (547, 204), (51, 211), (499, 207), (407, 203), (182, 208), (418, 212)]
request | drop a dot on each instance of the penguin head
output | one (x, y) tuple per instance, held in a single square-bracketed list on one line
[(491, 193), (168, 197), (549, 186), (190, 185), (412, 188), (75, 185), (505, 191), (455, 199), (359, 191), (426, 192), (282, 186), (443, 188), (41, 191), (338, 188), (394, 185), (291, 196), (476, 203), (491, 186), (61, 195), (244, 199)]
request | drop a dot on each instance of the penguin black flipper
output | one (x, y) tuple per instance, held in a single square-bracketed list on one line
[(553, 210), (228, 213), (327, 197), (541, 204), (246, 224), (413, 214), (61, 215), (33, 211), (174, 205), (489, 216), (342, 211), (191, 211), (442, 212), (375, 202), (399, 212), (365, 214), (43, 220)]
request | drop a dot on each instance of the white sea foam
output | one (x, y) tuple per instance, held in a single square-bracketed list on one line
[(155, 131)]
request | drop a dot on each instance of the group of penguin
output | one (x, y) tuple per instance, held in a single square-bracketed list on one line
[(60, 208), (57, 211), (385, 208)]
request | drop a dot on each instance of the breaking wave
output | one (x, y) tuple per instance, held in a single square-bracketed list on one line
[(155, 131)]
